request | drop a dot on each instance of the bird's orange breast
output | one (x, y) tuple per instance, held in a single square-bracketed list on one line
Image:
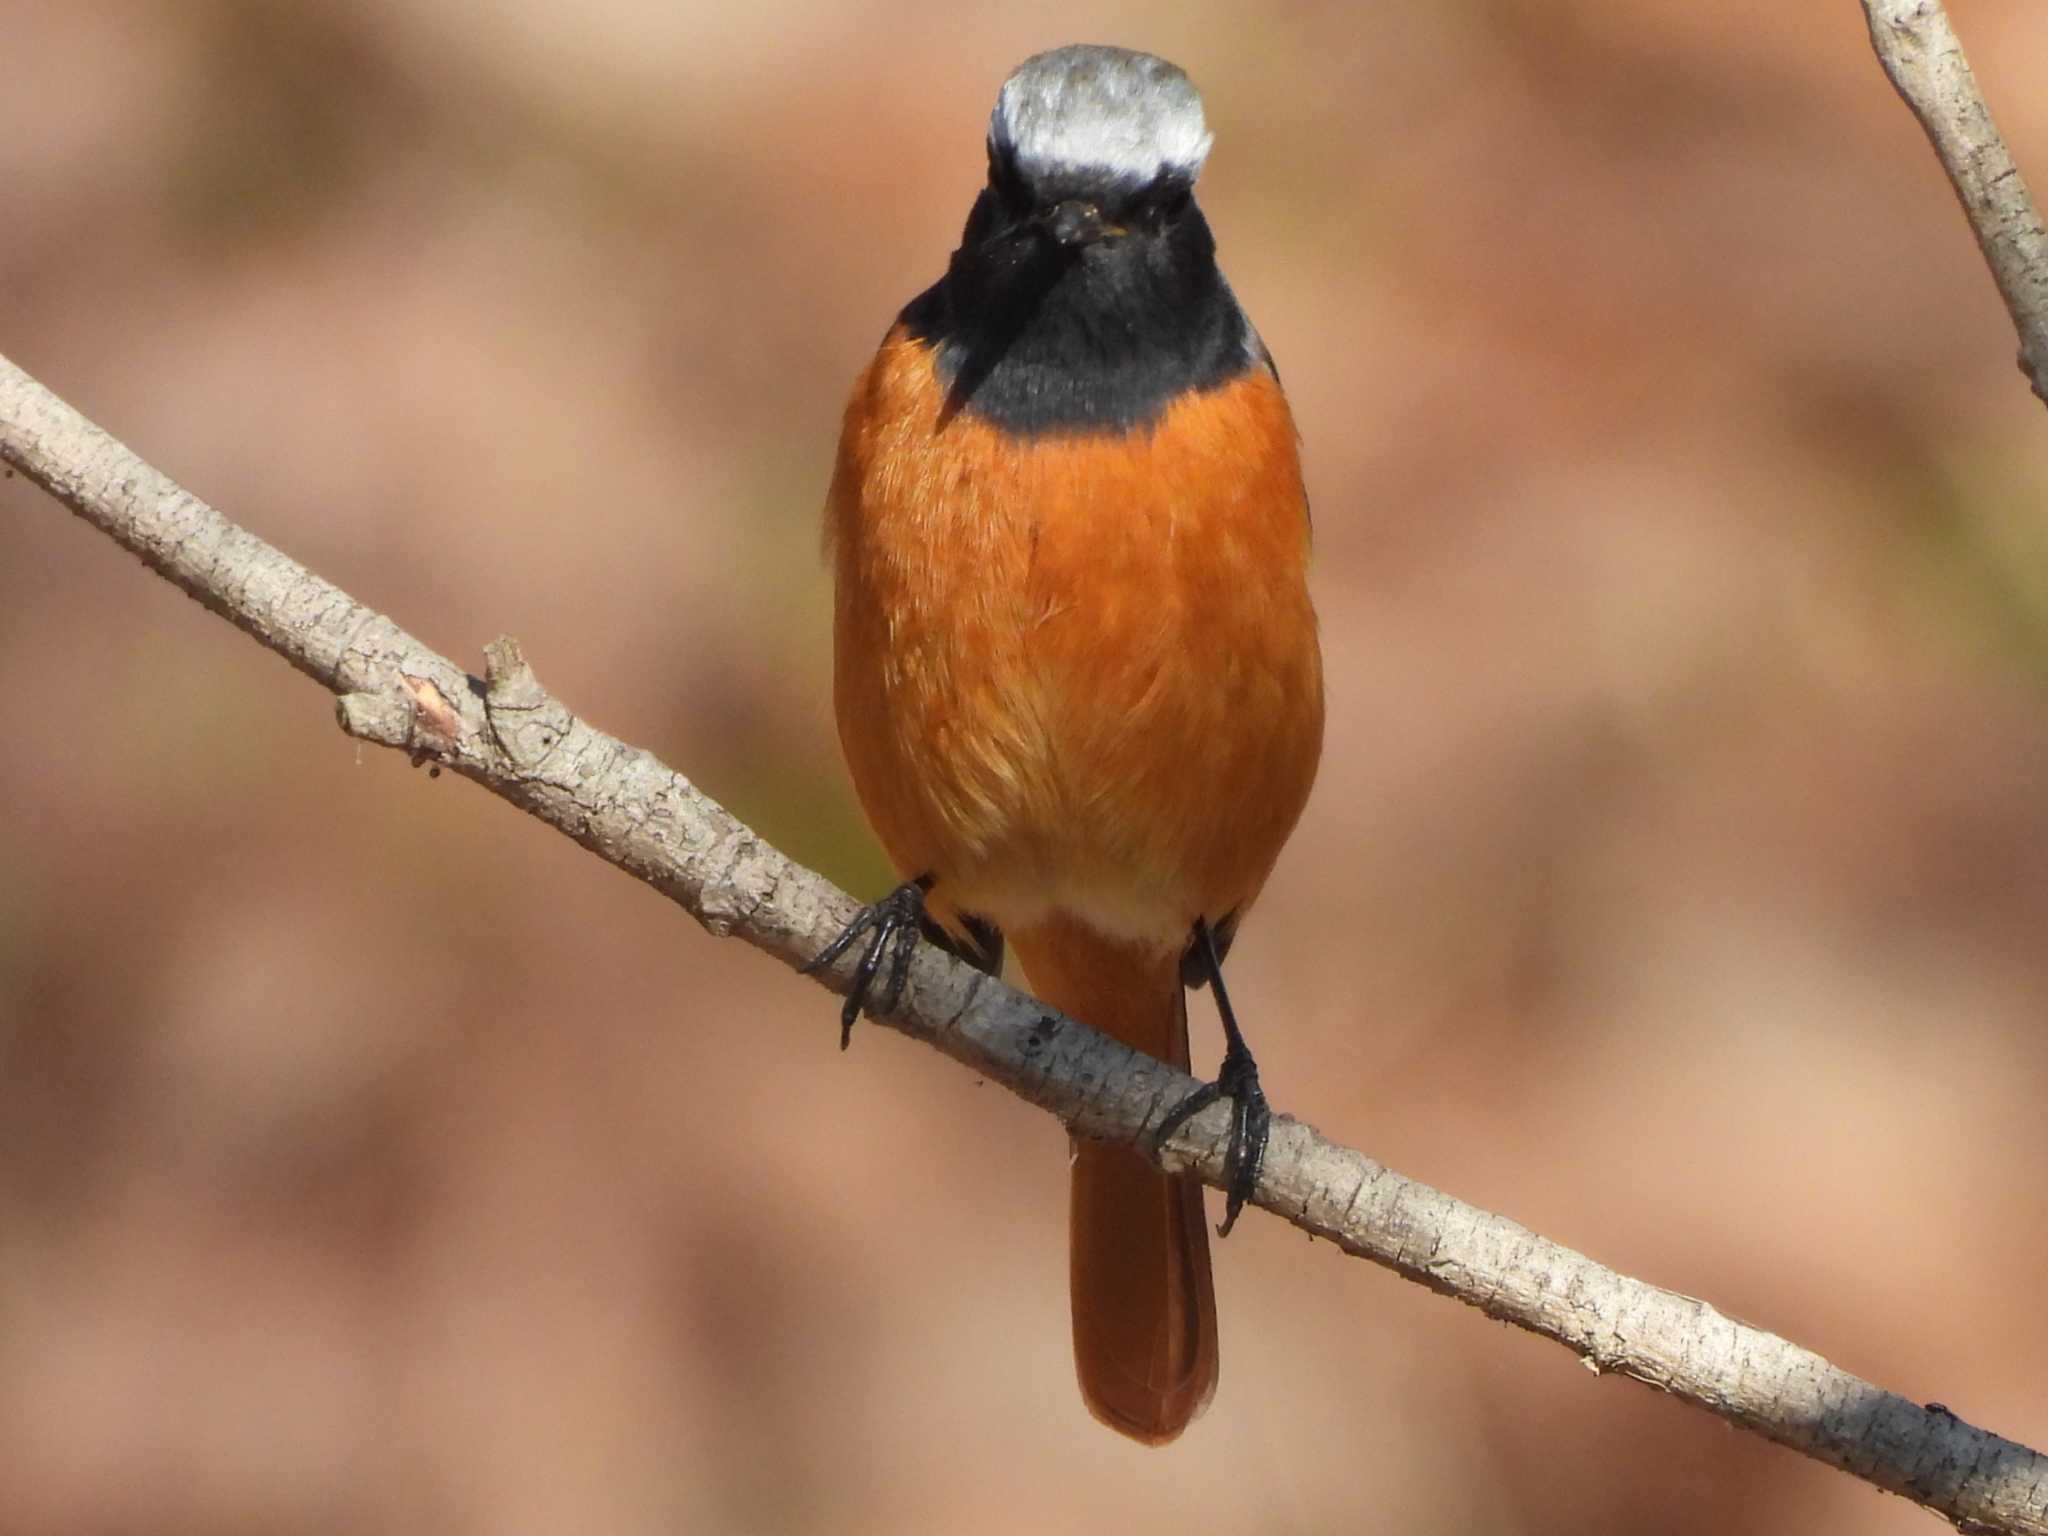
[(1075, 672)]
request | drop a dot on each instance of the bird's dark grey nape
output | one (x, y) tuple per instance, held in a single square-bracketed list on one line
[(1128, 116)]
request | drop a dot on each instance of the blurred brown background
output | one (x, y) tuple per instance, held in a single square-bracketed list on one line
[(373, 1159)]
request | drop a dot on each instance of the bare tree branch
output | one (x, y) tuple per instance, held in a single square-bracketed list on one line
[(1924, 60), (509, 734)]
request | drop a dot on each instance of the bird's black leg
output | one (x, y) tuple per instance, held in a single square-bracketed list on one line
[(1251, 1117), (892, 927)]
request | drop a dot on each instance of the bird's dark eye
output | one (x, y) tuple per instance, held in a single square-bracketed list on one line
[(1158, 207), (1004, 181)]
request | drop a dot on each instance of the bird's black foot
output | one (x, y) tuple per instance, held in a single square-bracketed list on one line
[(892, 927), (1251, 1116)]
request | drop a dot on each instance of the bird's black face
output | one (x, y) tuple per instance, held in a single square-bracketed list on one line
[(1081, 208), (1081, 298), (1124, 245)]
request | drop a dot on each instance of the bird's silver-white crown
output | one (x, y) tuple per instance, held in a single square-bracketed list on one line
[(1089, 108)]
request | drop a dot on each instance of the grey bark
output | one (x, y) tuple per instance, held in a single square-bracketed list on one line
[(1924, 60)]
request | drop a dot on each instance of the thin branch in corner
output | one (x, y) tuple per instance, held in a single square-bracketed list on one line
[(1925, 62), (509, 734)]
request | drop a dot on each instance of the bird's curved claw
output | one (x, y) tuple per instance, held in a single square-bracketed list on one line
[(891, 927)]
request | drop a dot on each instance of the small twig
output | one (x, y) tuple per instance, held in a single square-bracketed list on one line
[(1924, 60), (512, 736)]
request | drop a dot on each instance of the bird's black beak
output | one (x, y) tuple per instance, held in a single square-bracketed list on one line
[(1077, 221)]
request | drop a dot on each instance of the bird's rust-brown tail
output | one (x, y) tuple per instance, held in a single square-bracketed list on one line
[(1144, 1302)]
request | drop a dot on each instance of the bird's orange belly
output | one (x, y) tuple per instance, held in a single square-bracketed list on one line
[(1076, 673)]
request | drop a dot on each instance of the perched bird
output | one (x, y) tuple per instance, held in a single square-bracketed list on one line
[(1076, 673)]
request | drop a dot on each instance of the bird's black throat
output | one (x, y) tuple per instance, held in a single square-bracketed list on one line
[(1037, 337)]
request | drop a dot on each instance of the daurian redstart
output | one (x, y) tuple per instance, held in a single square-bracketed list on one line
[(1076, 670)]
